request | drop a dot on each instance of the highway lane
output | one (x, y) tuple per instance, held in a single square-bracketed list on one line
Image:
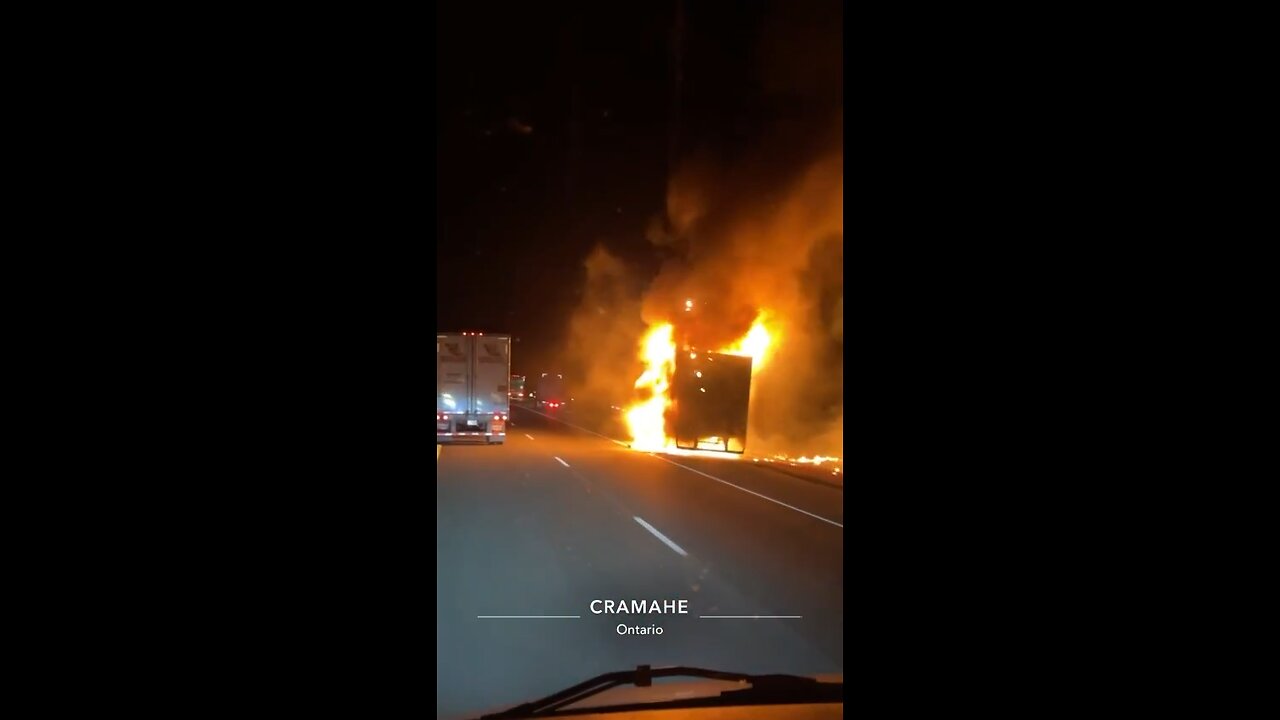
[(557, 517)]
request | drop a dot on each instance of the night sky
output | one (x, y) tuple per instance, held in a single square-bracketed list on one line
[(558, 127)]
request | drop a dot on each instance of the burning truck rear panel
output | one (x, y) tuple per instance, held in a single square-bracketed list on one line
[(473, 371), (710, 398)]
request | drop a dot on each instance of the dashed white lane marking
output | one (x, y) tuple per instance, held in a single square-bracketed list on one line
[(753, 492), (686, 467), (576, 427), (528, 436), (562, 462), (661, 537)]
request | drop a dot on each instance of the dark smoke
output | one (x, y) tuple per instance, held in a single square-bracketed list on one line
[(772, 241), (601, 352)]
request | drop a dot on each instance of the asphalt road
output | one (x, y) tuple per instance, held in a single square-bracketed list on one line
[(557, 517)]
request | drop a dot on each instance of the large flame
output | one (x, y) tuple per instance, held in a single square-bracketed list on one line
[(646, 418), (755, 343)]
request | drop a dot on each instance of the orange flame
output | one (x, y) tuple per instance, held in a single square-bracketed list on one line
[(817, 459), (646, 419), (755, 343)]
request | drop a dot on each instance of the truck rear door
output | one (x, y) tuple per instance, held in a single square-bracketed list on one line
[(491, 376), (711, 399), (453, 374)]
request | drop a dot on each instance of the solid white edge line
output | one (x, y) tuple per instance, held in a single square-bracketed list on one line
[(661, 537), (753, 492), (686, 467), (561, 461)]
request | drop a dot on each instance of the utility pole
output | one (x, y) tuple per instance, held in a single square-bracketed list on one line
[(677, 87), (574, 158)]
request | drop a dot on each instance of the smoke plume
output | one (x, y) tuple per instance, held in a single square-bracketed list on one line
[(603, 332), (757, 226), (774, 241)]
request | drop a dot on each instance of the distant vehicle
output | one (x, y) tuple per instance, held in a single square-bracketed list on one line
[(516, 392), (551, 392), (473, 371)]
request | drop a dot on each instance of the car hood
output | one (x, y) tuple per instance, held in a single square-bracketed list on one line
[(680, 690)]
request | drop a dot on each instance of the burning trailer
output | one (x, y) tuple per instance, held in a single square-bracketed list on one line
[(710, 397), (691, 399)]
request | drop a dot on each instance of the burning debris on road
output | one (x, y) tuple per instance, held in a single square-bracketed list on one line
[(800, 461)]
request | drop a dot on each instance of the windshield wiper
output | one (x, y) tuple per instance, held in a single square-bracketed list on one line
[(761, 690)]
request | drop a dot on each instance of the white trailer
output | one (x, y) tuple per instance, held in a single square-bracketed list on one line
[(473, 371)]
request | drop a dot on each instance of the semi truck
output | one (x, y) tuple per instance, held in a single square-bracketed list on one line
[(516, 391), (473, 374), (551, 392)]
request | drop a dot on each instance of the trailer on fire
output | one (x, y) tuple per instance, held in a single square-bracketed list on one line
[(710, 394)]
